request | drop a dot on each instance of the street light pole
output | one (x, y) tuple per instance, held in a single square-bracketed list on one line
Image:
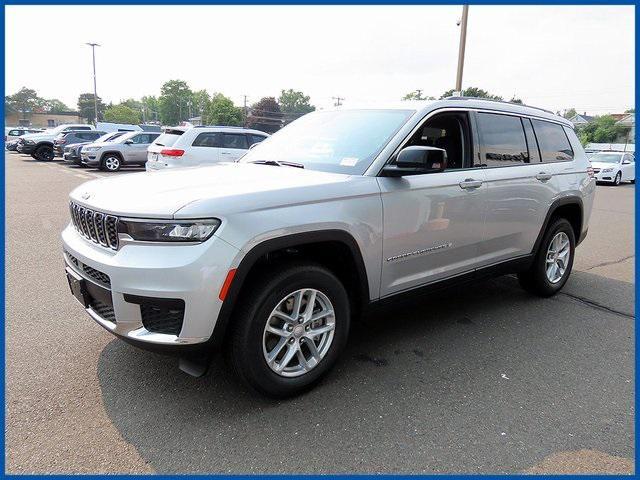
[(463, 41), (95, 90)]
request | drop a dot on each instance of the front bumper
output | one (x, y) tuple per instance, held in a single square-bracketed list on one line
[(192, 274), (90, 159), (601, 176), (71, 158), (25, 148)]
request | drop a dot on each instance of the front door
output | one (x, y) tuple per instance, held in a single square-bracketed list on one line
[(433, 223)]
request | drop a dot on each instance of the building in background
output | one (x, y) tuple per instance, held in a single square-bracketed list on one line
[(40, 119)]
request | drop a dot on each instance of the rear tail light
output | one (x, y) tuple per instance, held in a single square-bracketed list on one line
[(590, 172), (172, 152)]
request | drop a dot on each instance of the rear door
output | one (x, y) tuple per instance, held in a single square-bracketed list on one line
[(234, 146), (205, 149), (520, 187)]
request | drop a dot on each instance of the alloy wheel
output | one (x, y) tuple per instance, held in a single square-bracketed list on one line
[(299, 332), (112, 163), (558, 255)]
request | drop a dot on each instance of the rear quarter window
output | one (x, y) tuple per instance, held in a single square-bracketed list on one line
[(553, 141), (168, 139)]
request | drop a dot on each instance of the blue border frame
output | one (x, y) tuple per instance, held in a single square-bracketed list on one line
[(299, 2)]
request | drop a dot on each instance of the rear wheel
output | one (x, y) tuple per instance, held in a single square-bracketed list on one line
[(111, 163), (289, 330), (553, 262), (44, 153)]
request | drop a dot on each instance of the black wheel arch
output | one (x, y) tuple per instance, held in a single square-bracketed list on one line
[(284, 244), (42, 144), (111, 152), (569, 207)]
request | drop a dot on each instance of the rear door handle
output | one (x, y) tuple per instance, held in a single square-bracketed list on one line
[(470, 184), (543, 176)]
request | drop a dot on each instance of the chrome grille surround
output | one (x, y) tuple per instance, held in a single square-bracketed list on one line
[(98, 227)]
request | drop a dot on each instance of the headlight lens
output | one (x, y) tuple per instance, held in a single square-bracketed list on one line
[(92, 149), (29, 142), (607, 170), (183, 231)]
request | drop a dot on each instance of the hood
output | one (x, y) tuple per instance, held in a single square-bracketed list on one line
[(216, 190), (39, 136), (602, 165), (101, 144)]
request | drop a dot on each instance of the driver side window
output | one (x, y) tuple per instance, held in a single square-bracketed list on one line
[(449, 131)]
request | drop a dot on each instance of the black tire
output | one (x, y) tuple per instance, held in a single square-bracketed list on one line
[(618, 178), (111, 162), (263, 294), (534, 280), (44, 153)]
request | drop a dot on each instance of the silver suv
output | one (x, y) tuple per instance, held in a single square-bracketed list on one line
[(273, 256), (128, 149)]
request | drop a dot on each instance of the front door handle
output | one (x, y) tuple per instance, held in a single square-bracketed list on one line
[(544, 176), (470, 184)]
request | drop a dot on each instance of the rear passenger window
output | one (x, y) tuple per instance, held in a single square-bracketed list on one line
[(502, 140), (255, 138), (208, 139), (553, 141), (234, 140)]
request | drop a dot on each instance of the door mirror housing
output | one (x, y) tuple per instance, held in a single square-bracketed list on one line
[(417, 160), (626, 162), (128, 142)]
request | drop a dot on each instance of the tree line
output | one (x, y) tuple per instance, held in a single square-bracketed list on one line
[(176, 103)]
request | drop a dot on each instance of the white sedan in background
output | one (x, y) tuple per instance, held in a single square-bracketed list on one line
[(614, 167)]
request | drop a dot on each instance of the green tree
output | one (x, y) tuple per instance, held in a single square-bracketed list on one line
[(201, 103), (570, 113), (150, 108), (54, 105), (601, 130), (122, 114), (417, 95), (175, 101), (132, 103), (516, 100), (222, 111), (24, 101), (86, 107), (472, 92), (292, 101), (630, 110)]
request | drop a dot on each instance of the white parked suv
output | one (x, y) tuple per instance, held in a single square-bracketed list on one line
[(192, 146), (614, 167), (272, 256)]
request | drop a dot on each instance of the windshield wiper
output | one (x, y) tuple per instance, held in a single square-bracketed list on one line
[(277, 163)]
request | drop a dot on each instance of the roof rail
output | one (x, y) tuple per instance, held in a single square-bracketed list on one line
[(499, 101)]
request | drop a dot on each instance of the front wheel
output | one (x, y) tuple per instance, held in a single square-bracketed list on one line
[(290, 329), (553, 262), (44, 153), (618, 178), (111, 163)]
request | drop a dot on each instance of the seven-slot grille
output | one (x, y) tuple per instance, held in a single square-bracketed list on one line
[(97, 227)]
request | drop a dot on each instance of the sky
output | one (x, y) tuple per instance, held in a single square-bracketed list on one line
[(555, 57)]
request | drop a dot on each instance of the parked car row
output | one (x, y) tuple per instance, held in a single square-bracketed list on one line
[(83, 145), (614, 167)]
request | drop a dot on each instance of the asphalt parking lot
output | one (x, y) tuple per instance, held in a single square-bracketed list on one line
[(482, 379)]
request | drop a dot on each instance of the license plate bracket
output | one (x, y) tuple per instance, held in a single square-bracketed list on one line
[(78, 287)]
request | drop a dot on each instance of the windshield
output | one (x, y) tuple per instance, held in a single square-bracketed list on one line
[(606, 158), (338, 141)]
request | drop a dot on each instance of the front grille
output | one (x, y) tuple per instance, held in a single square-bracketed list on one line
[(162, 319), (98, 227), (103, 310), (90, 271)]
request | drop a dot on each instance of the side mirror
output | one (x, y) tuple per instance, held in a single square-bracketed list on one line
[(128, 142), (417, 160), (626, 162)]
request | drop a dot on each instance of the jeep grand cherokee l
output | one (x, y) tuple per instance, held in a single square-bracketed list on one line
[(272, 256)]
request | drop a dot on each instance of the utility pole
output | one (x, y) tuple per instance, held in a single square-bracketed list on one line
[(463, 41), (95, 90), (244, 111), (338, 101)]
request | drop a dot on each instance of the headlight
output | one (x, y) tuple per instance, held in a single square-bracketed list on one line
[(91, 149), (29, 142), (178, 231), (607, 170)]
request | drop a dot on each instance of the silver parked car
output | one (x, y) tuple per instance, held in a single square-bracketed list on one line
[(128, 149), (273, 255)]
